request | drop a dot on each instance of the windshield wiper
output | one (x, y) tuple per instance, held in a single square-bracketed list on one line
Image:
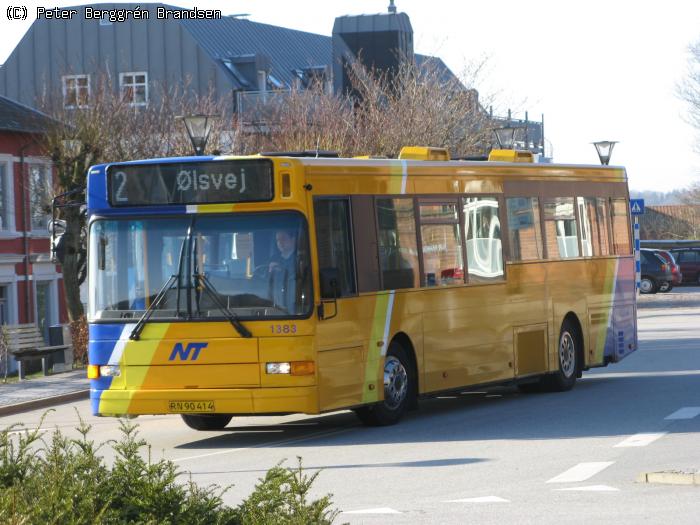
[(135, 334), (232, 317)]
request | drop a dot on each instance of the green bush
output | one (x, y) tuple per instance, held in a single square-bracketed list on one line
[(66, 481)]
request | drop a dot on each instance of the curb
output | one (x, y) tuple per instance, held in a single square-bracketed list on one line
[(671, 477), (44, 402)]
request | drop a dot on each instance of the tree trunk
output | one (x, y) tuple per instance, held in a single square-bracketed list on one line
[(71, 266)]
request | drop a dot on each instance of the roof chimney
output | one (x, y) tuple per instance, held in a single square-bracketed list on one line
[(380, 41)]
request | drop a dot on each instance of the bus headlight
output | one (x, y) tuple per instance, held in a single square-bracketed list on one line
[(278, 368), (110, 371), (295, 368)]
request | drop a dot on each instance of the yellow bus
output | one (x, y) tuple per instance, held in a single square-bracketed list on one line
[(223, 286)]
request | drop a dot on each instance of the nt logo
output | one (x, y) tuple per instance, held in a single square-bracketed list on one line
[(183, 352)]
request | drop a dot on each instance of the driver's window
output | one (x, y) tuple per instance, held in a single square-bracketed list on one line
[(334, 241)]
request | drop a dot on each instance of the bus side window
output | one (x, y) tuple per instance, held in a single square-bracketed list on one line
[(483, 232), (334, 241), (560, 228), (603, 225), (524, 233), (621, 228), (397, 245)]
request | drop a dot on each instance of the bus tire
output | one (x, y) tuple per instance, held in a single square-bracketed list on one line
[(206, 421), (568, 356), (399, 385)]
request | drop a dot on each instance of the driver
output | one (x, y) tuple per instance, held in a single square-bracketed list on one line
[(282, 270)]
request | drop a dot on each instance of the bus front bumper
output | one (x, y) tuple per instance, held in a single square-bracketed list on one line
[(233, 401)]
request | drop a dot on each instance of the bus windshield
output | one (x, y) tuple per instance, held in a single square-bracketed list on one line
[(254, 265)]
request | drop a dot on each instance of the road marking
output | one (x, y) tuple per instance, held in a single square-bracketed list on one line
[(482, 499), (581, 472), (273, 444), (27, 430), (685, 413), (592, 488), (640, 440), (380, 510)]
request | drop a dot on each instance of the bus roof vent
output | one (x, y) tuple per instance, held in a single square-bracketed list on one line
[(510, 155), (423, 153)]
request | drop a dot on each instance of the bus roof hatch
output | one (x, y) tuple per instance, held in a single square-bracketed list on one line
[(510, 155), (423, 153)]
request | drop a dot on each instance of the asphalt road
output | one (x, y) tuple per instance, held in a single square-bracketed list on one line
[(484, 457)]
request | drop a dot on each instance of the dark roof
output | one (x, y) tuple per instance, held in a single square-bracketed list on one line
[(287, 49), (18, 117)]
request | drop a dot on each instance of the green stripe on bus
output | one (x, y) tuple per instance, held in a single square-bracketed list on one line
[(375, 360)]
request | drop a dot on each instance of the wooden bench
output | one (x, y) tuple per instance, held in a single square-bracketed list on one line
[(25, 343)]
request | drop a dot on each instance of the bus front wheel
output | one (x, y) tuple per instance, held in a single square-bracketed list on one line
[(206, 421), (399, 385)]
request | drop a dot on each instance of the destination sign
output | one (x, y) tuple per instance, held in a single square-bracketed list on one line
[(203, 182)]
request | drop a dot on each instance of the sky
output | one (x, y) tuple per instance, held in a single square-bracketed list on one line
[(596, 70)]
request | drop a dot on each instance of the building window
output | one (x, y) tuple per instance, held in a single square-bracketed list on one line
[(6, 211), (40, 195), (134, 88), (76, 91), (4, 318)]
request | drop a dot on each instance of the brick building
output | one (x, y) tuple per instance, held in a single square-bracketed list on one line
[(31, 289)]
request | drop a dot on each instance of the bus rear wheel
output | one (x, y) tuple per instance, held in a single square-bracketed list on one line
[(206, 421), (569, 352), (399, 386)]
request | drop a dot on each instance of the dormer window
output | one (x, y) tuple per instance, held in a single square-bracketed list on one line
[(308, 76), (229, 64), (273, 82)]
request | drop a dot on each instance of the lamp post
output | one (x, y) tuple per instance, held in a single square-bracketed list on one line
[(505, 137), (198, 129), (604, 149)]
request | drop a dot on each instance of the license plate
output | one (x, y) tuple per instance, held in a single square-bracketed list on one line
[(180, 407)]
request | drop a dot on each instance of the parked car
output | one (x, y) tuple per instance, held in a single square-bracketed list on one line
[(675, 271), (689, 261), (655, 272)]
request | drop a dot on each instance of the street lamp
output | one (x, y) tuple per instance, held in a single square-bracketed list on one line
[(604, 149), (198, 129), (505, 137)]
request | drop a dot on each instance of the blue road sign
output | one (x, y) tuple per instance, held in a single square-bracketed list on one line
[(637, 206)]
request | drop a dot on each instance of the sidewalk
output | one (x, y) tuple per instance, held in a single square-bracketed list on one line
[(43, 391)]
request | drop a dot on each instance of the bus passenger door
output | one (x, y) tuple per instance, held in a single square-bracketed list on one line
[(341, 334)]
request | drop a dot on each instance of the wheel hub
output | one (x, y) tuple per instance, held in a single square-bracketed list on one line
[(395, 383), (567, 354)]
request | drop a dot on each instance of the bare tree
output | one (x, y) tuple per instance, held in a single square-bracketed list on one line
[(107, 128), (689, 90), (415, 105)]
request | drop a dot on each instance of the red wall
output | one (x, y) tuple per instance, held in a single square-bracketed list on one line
[(18, 144)]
